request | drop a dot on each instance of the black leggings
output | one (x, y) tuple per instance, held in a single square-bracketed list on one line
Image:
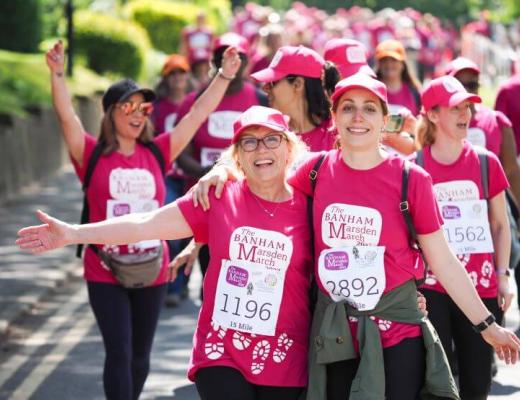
[(225, 383), (127, 319), (474, 356), (404, 372)]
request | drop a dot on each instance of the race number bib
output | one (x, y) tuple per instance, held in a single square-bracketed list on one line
[(116, 208), (220, 124), (355, 274), (466, 226), (209, 156), (248, 297)]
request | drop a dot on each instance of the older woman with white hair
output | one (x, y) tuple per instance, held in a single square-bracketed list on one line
[(252, 333)]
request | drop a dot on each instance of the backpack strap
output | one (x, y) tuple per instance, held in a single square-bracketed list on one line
[(484, 169), (92, 162), (419, 158), (313, 176), (404, 207), (94, 157)]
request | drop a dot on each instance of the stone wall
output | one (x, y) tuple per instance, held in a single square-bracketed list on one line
[(32, 148)]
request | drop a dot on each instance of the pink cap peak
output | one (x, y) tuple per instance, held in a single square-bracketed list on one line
[(445, 91), (360, 81), (260, 116)]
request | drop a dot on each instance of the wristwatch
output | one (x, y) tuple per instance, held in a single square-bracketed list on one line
[(484, 324), (504, 271)]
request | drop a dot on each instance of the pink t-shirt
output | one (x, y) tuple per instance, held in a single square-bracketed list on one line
[(321, 138), (362, 206), (402, 98), (485, 128), (165, 115), (237, 227), (464, 180), (507, 102), (121, 184), (215, 134)]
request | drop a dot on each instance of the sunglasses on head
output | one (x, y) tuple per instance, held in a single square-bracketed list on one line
[(129, 107)]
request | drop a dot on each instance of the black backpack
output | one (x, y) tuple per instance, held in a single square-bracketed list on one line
[(92, 162)]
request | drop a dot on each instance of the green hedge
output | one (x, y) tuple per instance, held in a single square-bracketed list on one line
[(164, 19), (110, 44), (20, 25)]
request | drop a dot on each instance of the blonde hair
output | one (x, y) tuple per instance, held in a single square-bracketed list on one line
[(107, 132), (296, 150)]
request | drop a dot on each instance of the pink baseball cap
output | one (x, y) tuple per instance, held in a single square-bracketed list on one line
[(459, 64), (445, 91), (260, 116), (292, 60), (232, 39), (349, 55), (360, 81)]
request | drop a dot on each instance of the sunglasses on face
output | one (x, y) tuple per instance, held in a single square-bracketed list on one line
[(129, 107), (250, 143), (288, 78), (471, 86)]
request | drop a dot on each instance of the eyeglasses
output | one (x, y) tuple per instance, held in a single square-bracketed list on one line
[(129, 107), (250, 143), (471, 86)]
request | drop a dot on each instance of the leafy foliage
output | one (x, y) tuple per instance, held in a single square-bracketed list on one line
[(20, 25)]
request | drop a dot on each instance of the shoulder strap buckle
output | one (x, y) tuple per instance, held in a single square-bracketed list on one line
[(403, 206)]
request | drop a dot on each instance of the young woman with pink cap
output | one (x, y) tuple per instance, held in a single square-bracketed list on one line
[(252, 333), (297, 82), (367, 338), (469, 186), (126, 177)]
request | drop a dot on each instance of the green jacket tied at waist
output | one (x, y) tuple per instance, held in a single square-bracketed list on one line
[(331, 341)]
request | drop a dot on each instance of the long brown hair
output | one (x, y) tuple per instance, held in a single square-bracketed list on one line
[(107, 132), (407, 76)]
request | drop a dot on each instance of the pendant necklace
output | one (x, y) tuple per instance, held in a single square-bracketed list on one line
[(270, 213)]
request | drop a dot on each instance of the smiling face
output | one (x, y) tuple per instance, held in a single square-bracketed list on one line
[(359, 119), (263, 165), (129, 126), (452, 122)]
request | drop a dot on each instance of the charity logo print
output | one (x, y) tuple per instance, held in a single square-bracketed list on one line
[(348, 225), (456, 191), (131, 183)]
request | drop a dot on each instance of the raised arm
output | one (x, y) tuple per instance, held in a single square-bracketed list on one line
[(454, 278), (205, 104), (164, 223), (71, 126)]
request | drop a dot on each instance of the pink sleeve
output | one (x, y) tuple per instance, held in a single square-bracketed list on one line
[(196, 218), (503, 121), (90, 143), (497, 177), (163, 143), (300, 179), (423, 206)]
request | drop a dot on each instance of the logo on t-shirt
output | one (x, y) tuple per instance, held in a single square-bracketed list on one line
[(456, 191), (131, 183), (260, 246), (348, 225), (220, 124)]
